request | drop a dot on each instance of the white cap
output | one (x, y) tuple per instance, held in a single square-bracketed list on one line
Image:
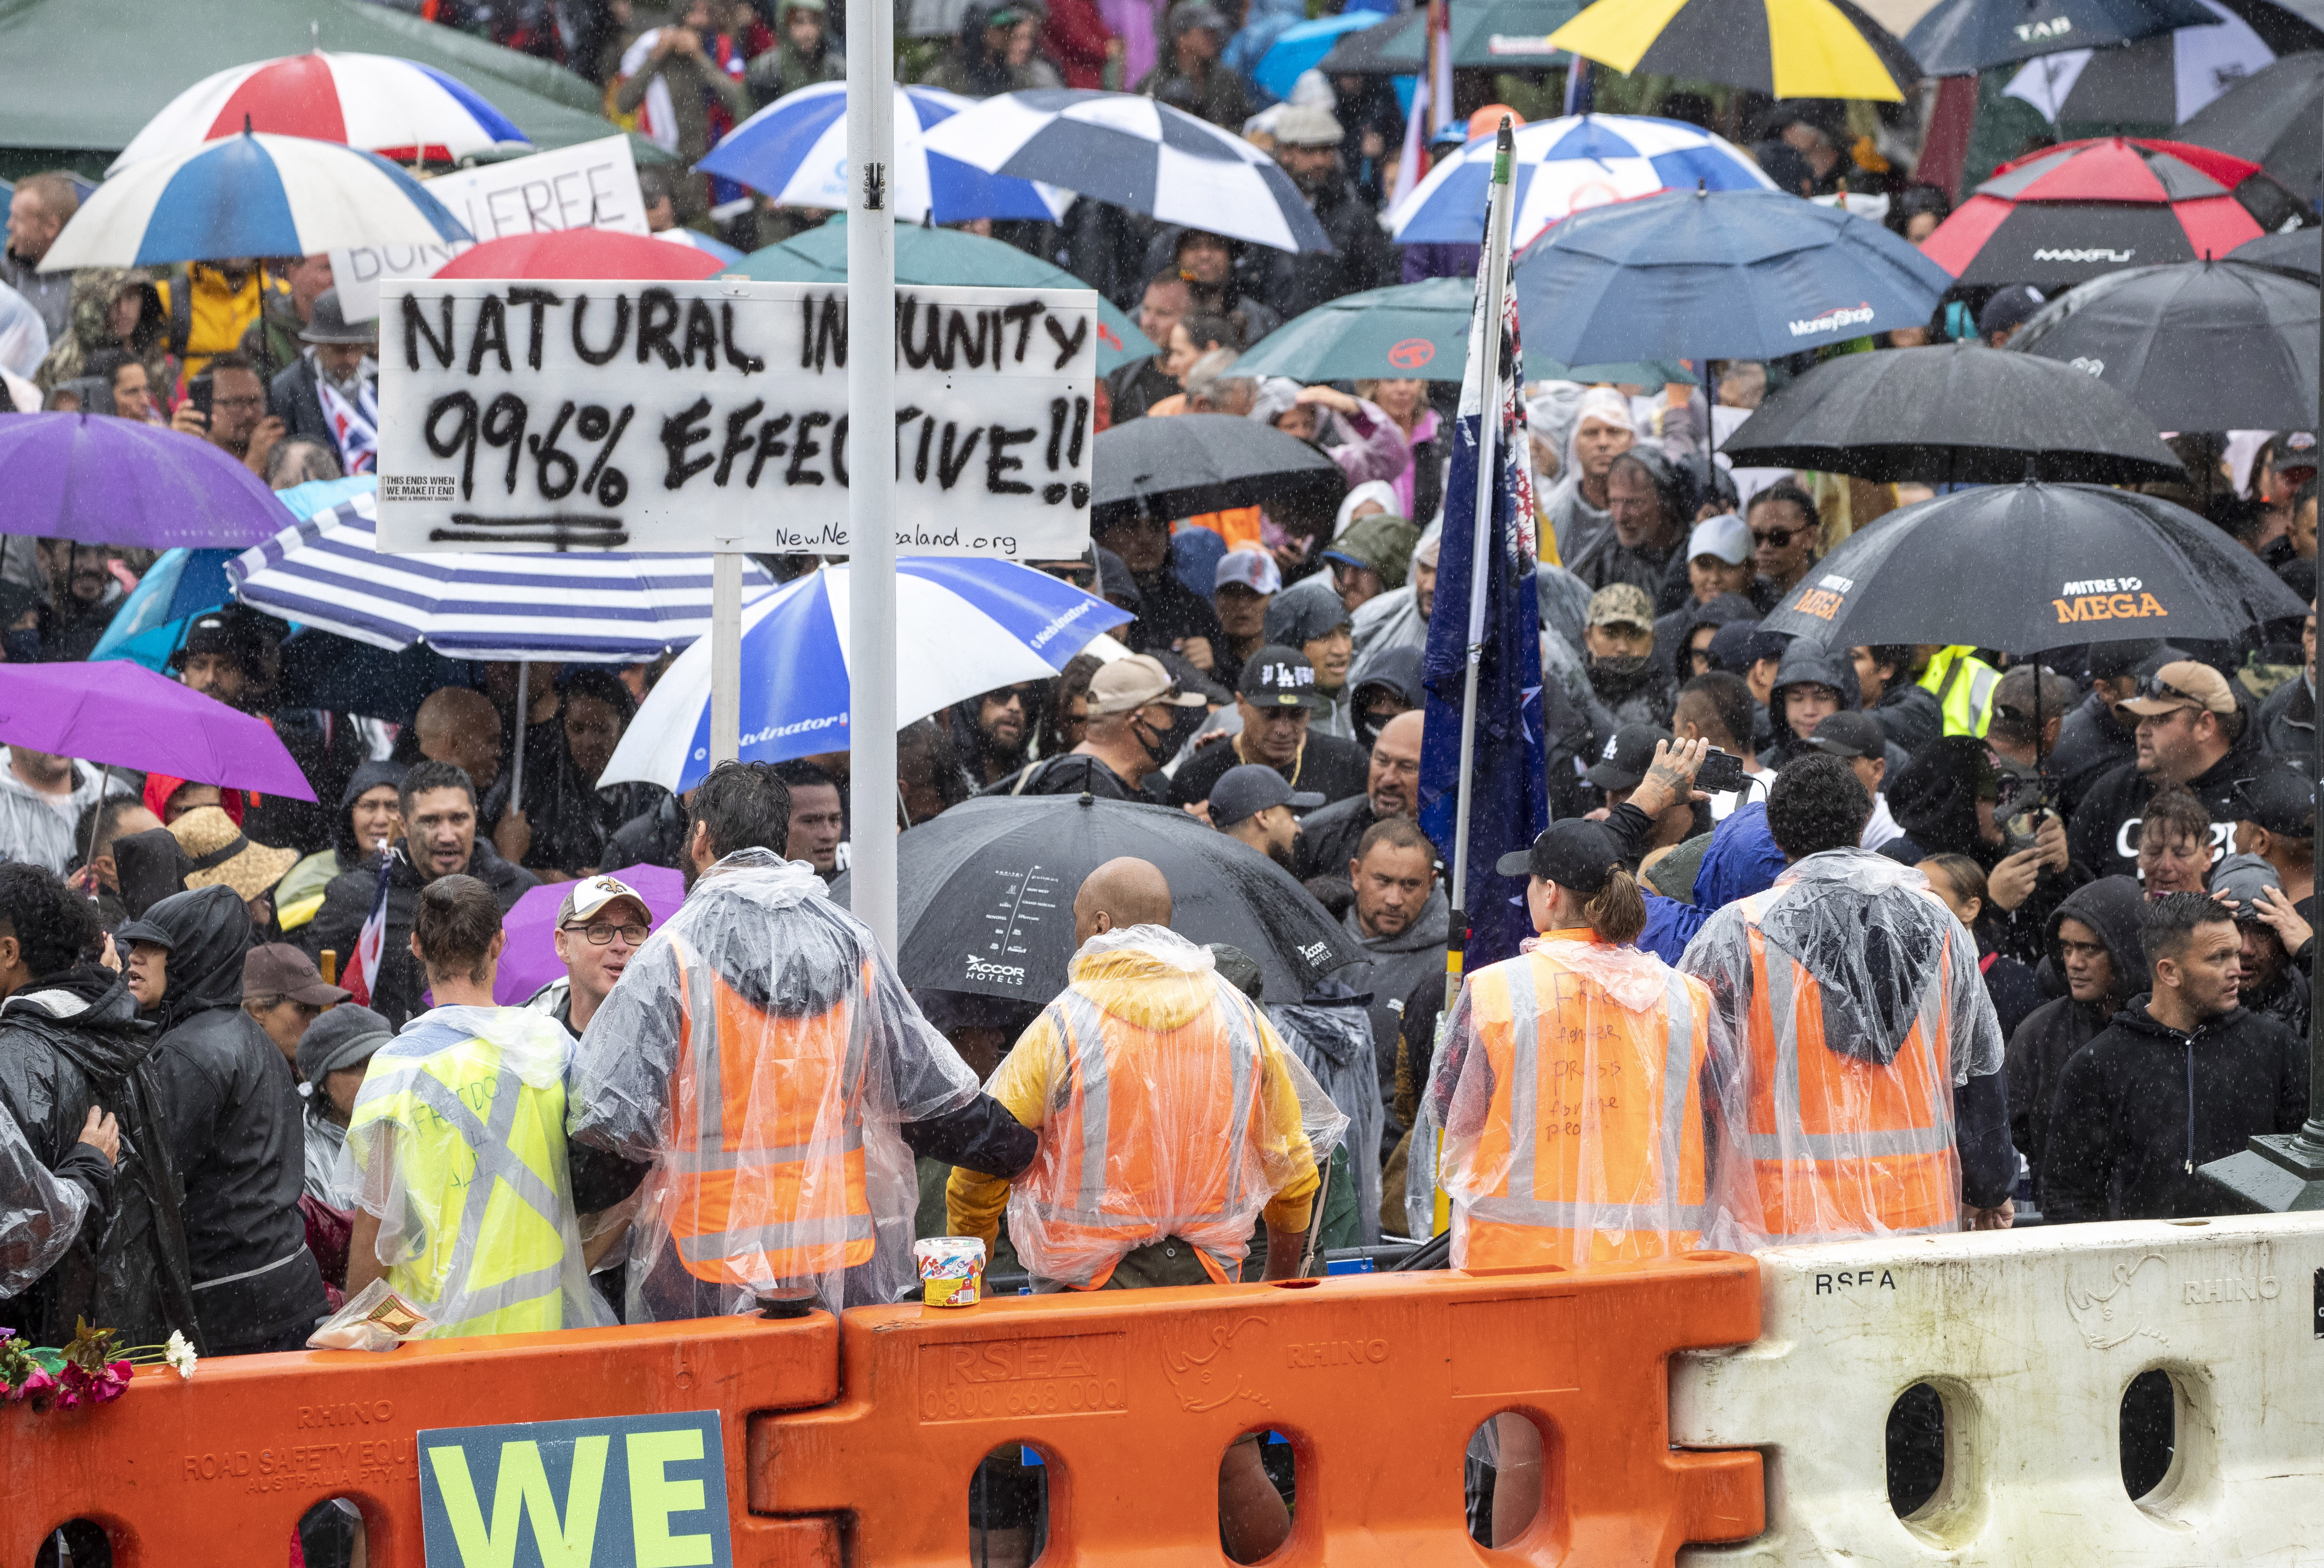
[(1251, 568), (1727, 536), (584, 898)]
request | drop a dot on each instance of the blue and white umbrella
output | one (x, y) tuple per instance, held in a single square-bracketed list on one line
[(251, 195), (327, 571), (795, 152), (964, 625), (1568, 163), (695, 239)]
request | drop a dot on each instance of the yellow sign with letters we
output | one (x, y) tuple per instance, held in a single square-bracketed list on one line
[(624, 1491)]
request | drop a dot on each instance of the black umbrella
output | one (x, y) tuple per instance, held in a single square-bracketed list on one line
[(2199, 345), (1963, 37), (2033, 566), (1194, 463), (2270, 117), (987, 894), (1962, 414), (2301, 252)]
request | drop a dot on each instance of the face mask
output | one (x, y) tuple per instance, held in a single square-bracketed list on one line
[(1618, 677)]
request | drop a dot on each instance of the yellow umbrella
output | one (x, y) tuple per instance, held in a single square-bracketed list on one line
[(1786, 49)]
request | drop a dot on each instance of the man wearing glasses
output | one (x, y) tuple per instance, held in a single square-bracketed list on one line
[(600, 927), (237, 420)]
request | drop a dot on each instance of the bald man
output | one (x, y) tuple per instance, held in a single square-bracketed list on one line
[(459, 725), (1328, 837), (1123, 891)]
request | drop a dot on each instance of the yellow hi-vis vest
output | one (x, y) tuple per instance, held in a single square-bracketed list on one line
[(1963, 686)]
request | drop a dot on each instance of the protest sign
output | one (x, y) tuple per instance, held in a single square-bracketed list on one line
[(593, 185), (713, 415)]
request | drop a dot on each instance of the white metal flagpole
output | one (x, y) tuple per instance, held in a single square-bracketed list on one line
[(872, 465), (725, 656)]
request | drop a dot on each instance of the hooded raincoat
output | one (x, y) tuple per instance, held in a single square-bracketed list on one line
[(2051, 1033), (299, 896)]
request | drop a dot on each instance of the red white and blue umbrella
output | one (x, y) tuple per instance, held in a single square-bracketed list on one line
[(250, 195), (398, 108)]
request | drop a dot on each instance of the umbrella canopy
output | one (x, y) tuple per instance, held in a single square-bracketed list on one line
[(1197, 463), (2059, 564), (121, 715), (581, 253), (398, 108), (107, 481), (1495, 36), (1743, 275), (1786, 49), (2202, 345), (2068, 213), (1299, 48), (250, 195), (695, 239), (2301, 251), (2270, 117), (1565, 165), (795, 152), (1960, 414), (1136, 152), (987, 894), (152, 621), (964, 625), (945, 255), (2159, 80), (528, 960), (1964, 37), (327, 572)]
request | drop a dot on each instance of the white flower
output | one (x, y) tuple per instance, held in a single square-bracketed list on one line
[(179, 1354)]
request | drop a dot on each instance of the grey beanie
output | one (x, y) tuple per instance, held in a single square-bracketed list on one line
[(342, 1038)]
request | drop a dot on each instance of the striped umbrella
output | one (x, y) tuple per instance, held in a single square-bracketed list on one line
[(251, 195), (398, 108), (327, 571), (1786, 49)]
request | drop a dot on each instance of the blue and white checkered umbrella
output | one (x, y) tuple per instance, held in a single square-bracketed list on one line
[(1568, 163), (251, 195), (795, 152)]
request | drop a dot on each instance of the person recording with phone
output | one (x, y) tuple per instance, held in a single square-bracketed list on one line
[(225, 405)]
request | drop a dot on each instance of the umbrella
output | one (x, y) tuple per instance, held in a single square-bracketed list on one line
[(699, 241), (2067, 214), (1964, 37), (2270, 117), (120, 714), (795, 152), (250, 195), (987, 895), (964, 625), (2202, 345), (107, 481), (1198, 463), (2059, 564), (2156, 81), (581, 253), (1497, 35), (327, 571), (152, 621), (1138, 153), (529, 960), (1302, 46), (398, 108), (1564, 165), (1960, 414), (1786, 49), (1742, 274), (945, 255), (2301, 252)]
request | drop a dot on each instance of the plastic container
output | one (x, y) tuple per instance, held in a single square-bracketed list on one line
[(951, 1270)]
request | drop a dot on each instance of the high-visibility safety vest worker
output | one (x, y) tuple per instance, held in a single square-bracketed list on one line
[(1570, 1095), (458, 1145), (1963, 685), (1168, 1110)]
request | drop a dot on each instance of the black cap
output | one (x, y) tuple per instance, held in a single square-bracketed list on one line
[(1850, 735), (2279, 798), (2113, 661), (2011, 307), (1252, 786), (1576, 853), (1739, 645), (1281, 678), (2296, 451), (1629, 752)]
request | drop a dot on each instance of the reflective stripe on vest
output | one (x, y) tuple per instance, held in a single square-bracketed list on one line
[(1967, 705)]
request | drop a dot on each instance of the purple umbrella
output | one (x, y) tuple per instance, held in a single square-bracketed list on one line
[(528, 961), (119, 714), (102, 480)]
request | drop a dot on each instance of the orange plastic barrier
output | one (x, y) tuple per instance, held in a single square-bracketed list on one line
[(1378, 1381)]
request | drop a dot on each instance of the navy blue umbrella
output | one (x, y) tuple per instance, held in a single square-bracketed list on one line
[(1727, 274), (1963, 37)]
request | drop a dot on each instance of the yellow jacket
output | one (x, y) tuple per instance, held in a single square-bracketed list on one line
[(218, 313)]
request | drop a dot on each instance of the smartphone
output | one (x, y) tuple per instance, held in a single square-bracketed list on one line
[(1720, 773), (198, 393)]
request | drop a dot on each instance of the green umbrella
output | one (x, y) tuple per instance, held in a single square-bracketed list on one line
[(1493, 35), (929, 256), (1413, 329)]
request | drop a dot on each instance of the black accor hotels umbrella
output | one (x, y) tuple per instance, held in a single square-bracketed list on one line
[(986, 894), (1196, 462)]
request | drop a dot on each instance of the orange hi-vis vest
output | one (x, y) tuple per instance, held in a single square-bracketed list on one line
[(1152, 1138), (1840, 1146), (1600, 1140), (767, 1138)]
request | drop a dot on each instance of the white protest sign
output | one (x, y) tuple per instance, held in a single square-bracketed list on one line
[(592, 185), (713, 415)]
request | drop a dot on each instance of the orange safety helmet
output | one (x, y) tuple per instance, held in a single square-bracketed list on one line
[(1486, 121)]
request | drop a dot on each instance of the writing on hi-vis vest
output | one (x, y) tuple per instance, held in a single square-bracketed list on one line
[(626, 1491), (2107, 599)]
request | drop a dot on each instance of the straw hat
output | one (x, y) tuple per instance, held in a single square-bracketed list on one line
[(222, 855)]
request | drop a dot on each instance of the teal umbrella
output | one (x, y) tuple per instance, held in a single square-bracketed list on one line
[(929, 256), (1486, 35), (1413, 329)]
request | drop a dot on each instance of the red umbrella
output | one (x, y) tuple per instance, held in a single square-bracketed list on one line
[(584, 252), (2067, 214)]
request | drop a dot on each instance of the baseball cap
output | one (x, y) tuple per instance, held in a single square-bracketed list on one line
[(1127, 685), (1251, 787), (1850, 735), (2183, 684), (1248, 568), (2295, 449), (1307, 125), (584, 898), (1575, 853), (2241, 877), (2279, 799), (1280, 678), (1304, 612), (1727, 537), (1739, 645), (344, 1037), (1622, 604), (2113, 661), (1629, 752), (279, 969), (2012, 307)]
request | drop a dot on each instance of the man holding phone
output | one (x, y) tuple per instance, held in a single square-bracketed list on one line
[(227, 406)]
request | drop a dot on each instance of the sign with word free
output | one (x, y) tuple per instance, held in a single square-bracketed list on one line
[(713, 415), (624, 1491)]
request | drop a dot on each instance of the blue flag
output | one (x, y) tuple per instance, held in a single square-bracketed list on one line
[(1509, 801)]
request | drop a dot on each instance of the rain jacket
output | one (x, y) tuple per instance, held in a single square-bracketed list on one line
[(94, 290), (34, 831), (1166, 1105), (1740, 860), (299, 896), (1332, 1035), (1806, 662), (2051, 1033), (2287, 722), (2091, 744), (347, 905), (1909, 716), (208, 315), (237, 1132)]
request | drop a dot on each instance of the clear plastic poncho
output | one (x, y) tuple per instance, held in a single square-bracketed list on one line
[(1331, 1038), (761, 1053), (40, 1213), (1171, 1109), (457, 1145), (1572, 1105), (1843, 1130)]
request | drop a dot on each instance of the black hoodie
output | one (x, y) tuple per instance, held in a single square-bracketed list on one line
[(1811, 663), (2104, 833), (368, 776), (2047, 1040)]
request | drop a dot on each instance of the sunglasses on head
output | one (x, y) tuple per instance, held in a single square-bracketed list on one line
[(1778, 537), (2155, 686)]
